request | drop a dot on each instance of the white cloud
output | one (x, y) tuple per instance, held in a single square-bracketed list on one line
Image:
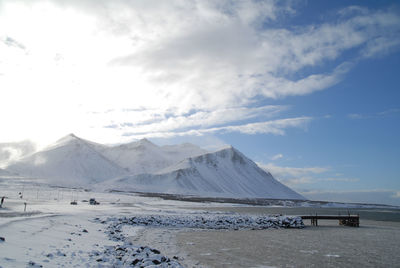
[(340, 179), (386, 113), (10, 152), (292, 171), (208, 63), (295, 176), (146, 121), (277, 156), (377, 196), (276, 127)]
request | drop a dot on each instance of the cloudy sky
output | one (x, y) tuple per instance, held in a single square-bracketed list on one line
[(307, 89)]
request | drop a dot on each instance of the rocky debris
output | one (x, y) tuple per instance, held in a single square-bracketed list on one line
[(50, 255), (61, 254), (217, 222), (33, 264), (128, 255)]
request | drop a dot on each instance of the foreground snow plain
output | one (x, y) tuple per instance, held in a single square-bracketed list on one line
[(132, 230), (50, 232)]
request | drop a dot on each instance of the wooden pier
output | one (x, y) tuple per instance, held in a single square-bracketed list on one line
[(347, 220)]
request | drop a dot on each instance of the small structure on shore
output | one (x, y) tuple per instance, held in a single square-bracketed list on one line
[(93, 201), (347, 220)]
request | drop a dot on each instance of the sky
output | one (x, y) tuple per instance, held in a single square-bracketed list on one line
[(307, 89)]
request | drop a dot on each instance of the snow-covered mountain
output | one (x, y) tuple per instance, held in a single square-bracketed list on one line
[(225, 173), (182, 151), (70, 161), (144, 156), (145, 167)]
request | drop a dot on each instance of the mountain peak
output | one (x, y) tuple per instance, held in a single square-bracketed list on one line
[(144, 140), (68, 138), (228, 148), (72, 135)]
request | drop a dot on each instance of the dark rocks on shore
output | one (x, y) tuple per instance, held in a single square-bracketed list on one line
[(136, 256), (141, 256)]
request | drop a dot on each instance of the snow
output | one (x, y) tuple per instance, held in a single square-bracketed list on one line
[(53, 233), (210, 221), (144, 156), (142, 166), (225, 173), (70, 161)]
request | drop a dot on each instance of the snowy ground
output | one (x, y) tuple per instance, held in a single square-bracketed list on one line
[(50, 232), (147, 231)]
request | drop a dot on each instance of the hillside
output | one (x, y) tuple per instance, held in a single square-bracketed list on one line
[(70, 161), (145, 167), (226, 173), (144, 156)]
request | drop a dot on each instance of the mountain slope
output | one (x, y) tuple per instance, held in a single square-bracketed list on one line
[(226, 173), (145, 167), (182, 151), (144, 156), (70, 161)]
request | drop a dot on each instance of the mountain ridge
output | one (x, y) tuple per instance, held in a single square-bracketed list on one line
[(145, 166), (223, 173)]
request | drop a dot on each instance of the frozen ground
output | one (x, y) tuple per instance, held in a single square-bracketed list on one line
[(137, 230), (50, 232)]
